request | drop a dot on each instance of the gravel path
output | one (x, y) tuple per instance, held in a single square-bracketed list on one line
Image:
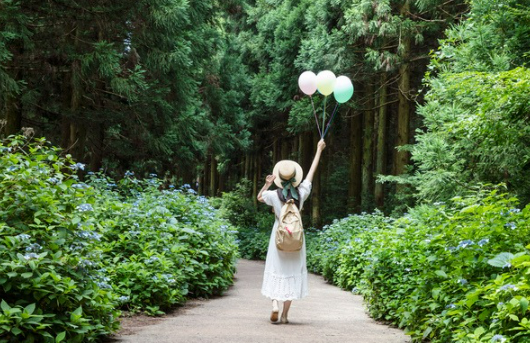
[(328, 314)]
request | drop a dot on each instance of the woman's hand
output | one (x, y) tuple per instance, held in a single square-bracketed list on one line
[(270, 179), (321, 145)]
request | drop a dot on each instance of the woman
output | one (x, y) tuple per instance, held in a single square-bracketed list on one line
[(285, 276)]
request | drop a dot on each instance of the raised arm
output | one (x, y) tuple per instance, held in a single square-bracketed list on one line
[(320, 147), (268, 182)]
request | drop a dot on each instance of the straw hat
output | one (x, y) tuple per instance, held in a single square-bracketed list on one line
[(285, 170)]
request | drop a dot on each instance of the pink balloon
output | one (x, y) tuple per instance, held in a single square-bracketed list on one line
[(308, 82)]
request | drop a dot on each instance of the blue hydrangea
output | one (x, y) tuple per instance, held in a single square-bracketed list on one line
[(80, 185), (450, 306), (462, 281), (498, 338), (33, 247), (129, 173), (89, 235), (152, 259), (511, 226), (54, 180), (23, 236), (464, 244), (85, 208), (508, 287), (78, 166), (123, 299), (103, 285), (31, 256), (483, 242)]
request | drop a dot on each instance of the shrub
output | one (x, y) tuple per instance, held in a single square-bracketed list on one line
[(162, 245), (454, 272), (73, 252), (49, 250)]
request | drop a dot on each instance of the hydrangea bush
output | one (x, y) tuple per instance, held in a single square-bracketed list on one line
[(75, 253), (453, 272), (48, 288)]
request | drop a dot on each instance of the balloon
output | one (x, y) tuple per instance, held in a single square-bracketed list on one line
[(326, 82), (308, 82), (343, 89)]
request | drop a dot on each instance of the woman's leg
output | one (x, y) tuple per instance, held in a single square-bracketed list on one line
[(286, 306), (275, 310)]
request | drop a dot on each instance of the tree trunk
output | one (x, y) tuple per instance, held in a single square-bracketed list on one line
[(96, 160), (356, 153), (285, 149), (316, 218), (205, 176), (213, 176), (13, 115), (247, 166), (380, 157), (402, 157), (255, 180), (368, 155)]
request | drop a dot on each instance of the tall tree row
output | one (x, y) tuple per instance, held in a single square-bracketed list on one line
[(383, 46), (206, 91), (149, 86)]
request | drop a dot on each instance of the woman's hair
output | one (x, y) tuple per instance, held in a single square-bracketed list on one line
[(284, 199)]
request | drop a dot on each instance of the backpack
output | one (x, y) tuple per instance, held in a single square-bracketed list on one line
[(290, 232)]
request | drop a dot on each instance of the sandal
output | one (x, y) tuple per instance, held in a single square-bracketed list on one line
[(275, 311)]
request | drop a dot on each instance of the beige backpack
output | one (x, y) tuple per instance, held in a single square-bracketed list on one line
[(290, 232)]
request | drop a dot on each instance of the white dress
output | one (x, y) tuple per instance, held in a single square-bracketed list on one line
[(285, 276)]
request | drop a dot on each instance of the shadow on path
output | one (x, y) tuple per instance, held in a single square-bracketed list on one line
[(328, 314)]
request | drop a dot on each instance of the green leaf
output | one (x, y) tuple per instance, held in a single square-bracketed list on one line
[(523, 302), (427, 331), (5, 307), (26, 275), (60, 337), (441, 273), (502, 260), (30, 308)]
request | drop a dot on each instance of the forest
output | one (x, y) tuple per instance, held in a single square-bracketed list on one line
[(190, 104)]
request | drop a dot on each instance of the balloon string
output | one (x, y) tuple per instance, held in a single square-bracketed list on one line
[(316, 118), (330, 120), (324, 116)]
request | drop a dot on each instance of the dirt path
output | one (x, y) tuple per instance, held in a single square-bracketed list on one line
[(328, 314)]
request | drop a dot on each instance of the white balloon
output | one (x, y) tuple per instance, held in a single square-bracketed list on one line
[(308, 82)]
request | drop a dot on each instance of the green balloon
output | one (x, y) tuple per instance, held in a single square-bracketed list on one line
[(343, 90)]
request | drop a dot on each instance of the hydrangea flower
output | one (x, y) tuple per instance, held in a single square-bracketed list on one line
[(78, 166), (498, 338), (508, 287), (511, 226), (33, 247), (23, 236), (462, 281), (31, 256), (85, 208), (483, 242), (123, 299)]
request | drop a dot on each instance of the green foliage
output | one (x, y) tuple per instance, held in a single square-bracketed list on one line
[(254, 227), (448, 272), (476, 110), (477, 131), (48, 286), (160, 246), (74, 253)]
